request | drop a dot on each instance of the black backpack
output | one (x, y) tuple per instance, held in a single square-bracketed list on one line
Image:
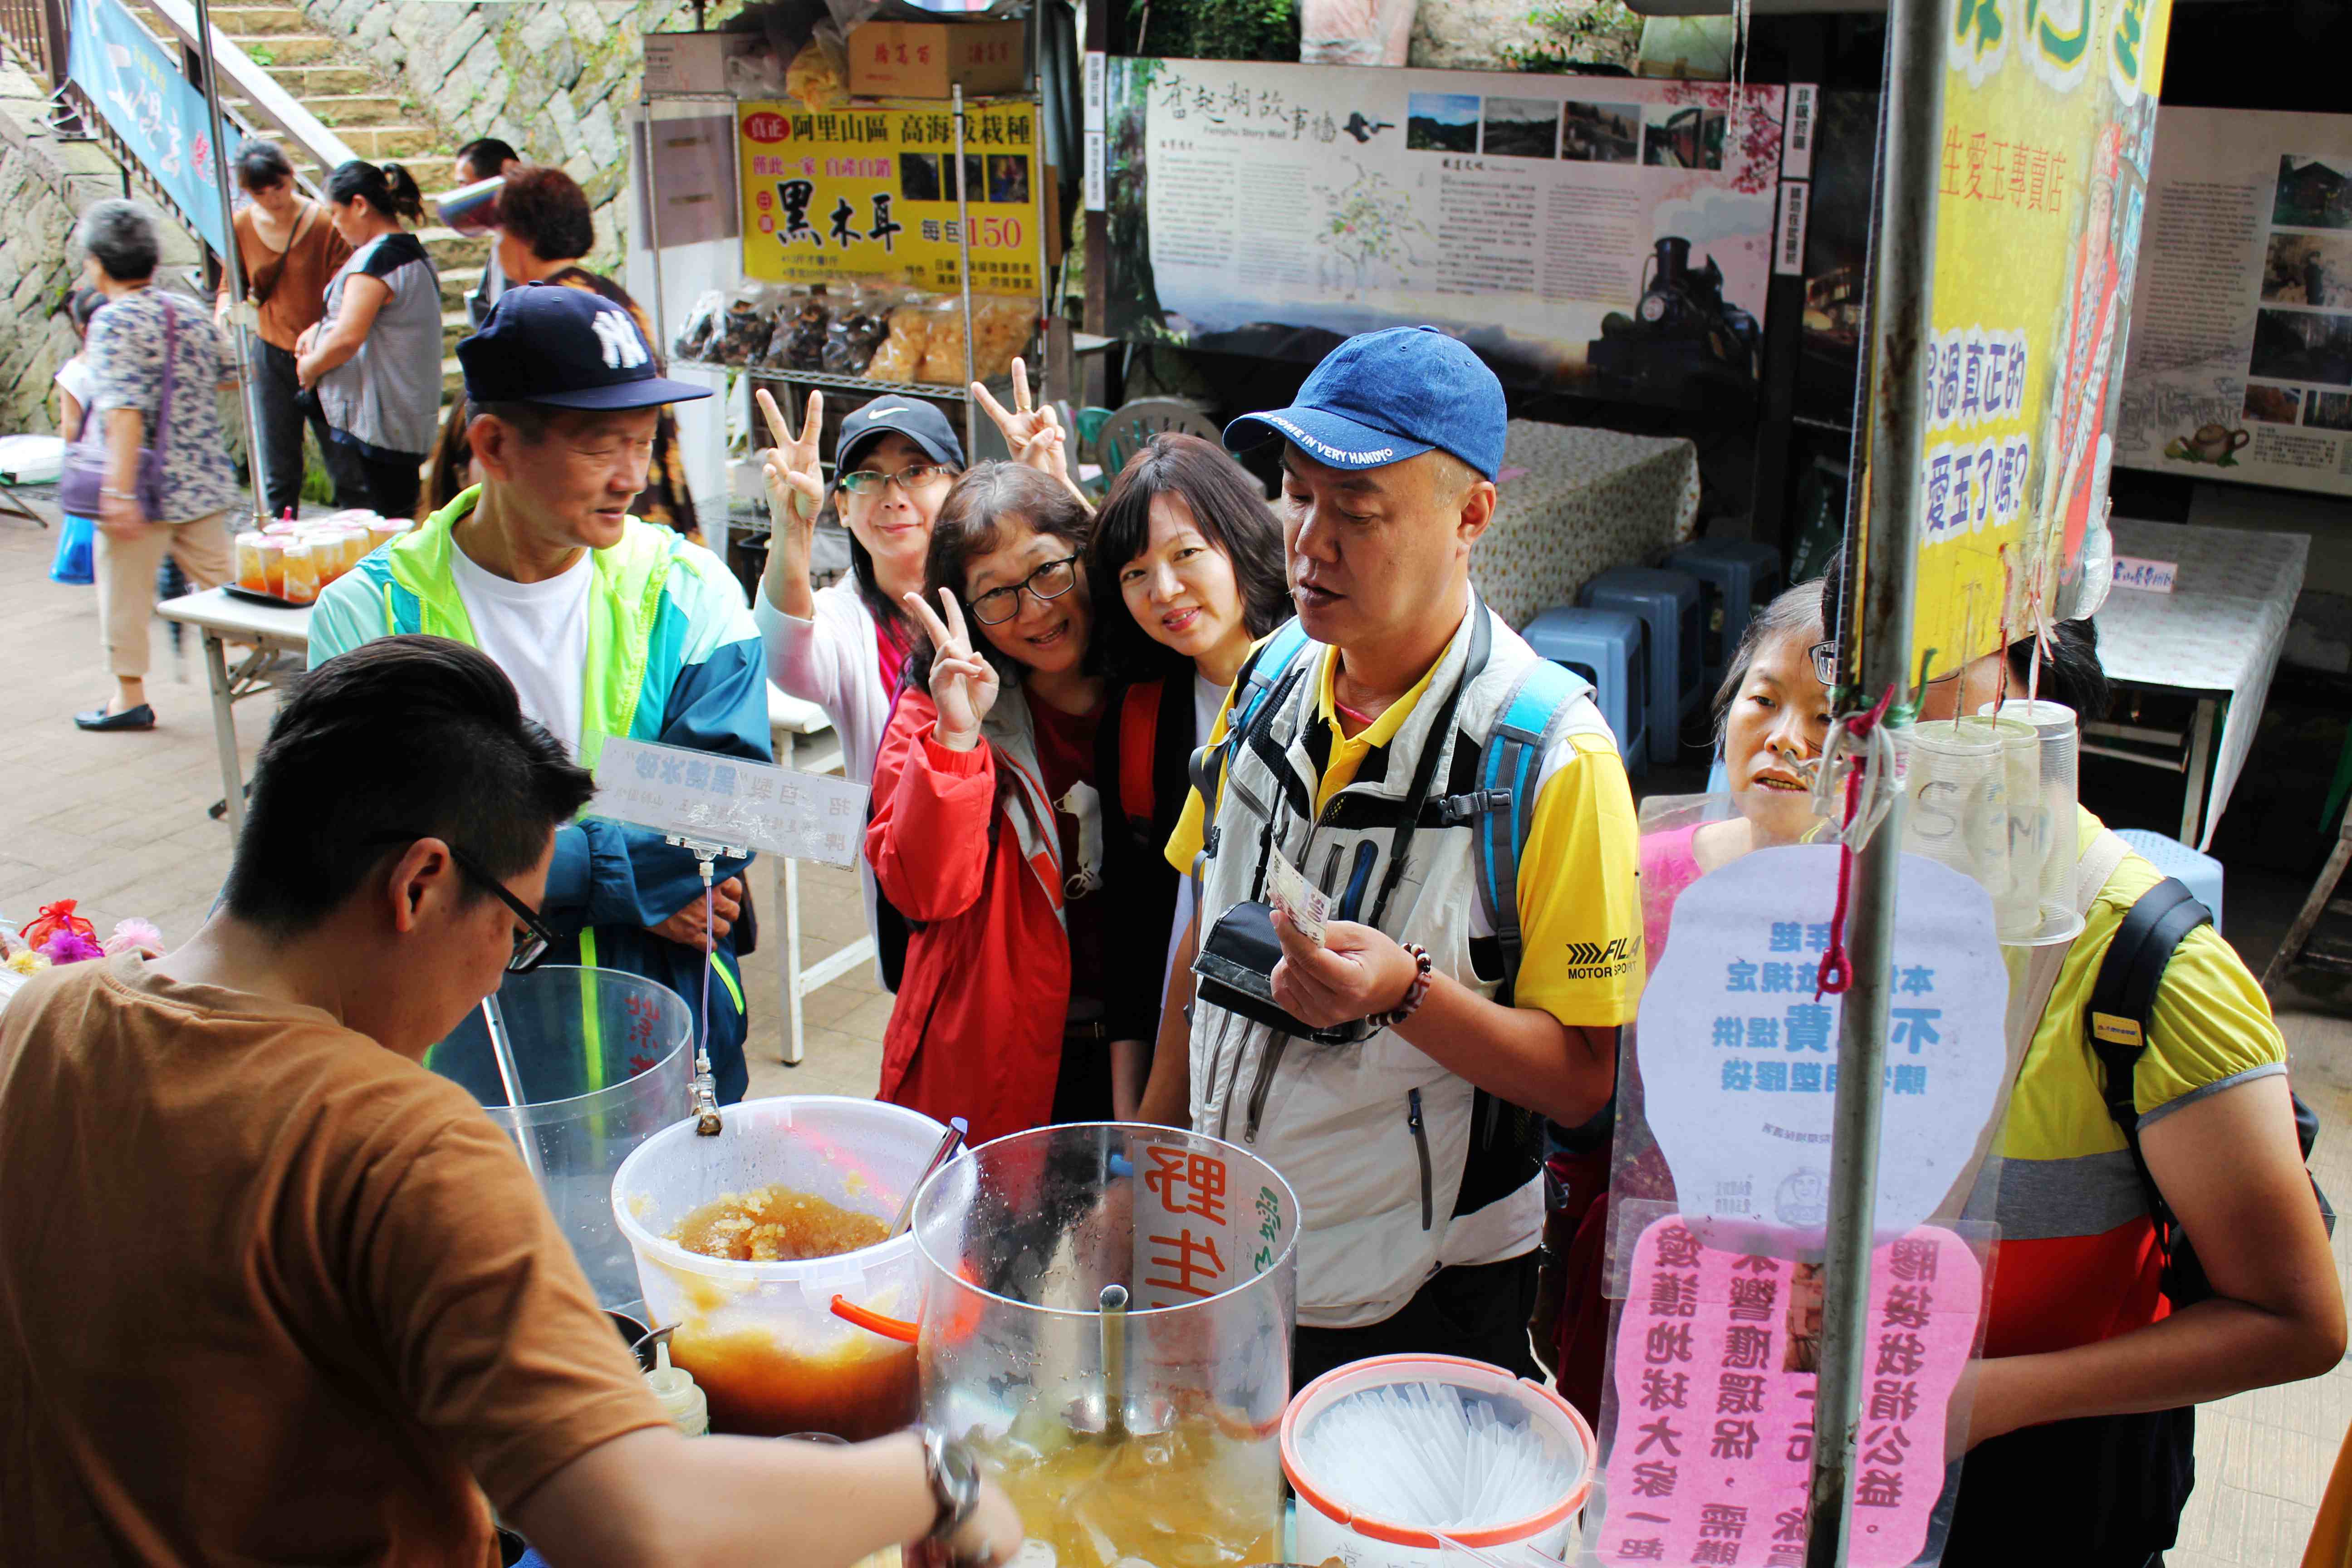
[(2117, 1021)]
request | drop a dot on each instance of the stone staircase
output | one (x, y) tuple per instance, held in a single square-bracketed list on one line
[(374, 119)]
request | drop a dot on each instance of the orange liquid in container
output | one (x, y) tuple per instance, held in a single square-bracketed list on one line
[(1187, 1498), (758, 1384)]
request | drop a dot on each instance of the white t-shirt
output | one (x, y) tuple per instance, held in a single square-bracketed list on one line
[(537, 632), (76, 376), (1208, 697)]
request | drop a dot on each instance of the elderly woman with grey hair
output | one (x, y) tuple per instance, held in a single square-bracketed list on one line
[(142, 339)]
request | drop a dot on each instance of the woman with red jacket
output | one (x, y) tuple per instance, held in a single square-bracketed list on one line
[(1031, 986)]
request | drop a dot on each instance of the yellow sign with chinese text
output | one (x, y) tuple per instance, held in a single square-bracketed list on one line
[(2049, 122), (869, 191)]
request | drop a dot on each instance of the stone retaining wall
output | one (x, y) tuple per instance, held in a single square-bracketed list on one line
[(553, 80), (44, 184)]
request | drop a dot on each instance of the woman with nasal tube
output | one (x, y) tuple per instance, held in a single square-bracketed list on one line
[(1030, 989), (2083, 1410)]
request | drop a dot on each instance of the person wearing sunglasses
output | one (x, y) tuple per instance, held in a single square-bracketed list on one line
[(272, 1291), (609, 625), (844, 646), (1032, 977)]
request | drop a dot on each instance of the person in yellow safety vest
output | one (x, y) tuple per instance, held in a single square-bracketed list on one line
[(608, 626)]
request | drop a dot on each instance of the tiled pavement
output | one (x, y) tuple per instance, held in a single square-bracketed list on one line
[(119, 822)]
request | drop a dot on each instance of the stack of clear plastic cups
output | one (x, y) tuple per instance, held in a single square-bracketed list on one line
[(1957, 775), (2057, 740)]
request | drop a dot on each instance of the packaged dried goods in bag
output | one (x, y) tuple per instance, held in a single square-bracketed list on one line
[(902, 353)]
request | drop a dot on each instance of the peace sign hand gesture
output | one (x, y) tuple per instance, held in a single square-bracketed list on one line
[(795, 480), (963, 683), (1033, 434)]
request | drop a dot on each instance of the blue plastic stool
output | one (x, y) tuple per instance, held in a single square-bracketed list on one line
[(1739, 577), (1668, 603), (1605, 647), (2200, 873)]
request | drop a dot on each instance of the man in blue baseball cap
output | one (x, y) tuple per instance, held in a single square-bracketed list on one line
[(1461, 802), (608, 626)]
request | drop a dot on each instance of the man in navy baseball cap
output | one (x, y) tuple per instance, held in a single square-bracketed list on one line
[(1498, 974), (608, 626)]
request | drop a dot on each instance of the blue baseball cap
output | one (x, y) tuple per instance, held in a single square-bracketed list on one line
[(912, 418), (1381, 397), (565, 348)]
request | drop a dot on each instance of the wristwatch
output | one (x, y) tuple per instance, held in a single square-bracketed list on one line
[(954, 1478)]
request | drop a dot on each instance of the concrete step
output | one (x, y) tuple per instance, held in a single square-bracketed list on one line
[(283, 48), (239, 20), (452, 380), (304, 79), (457, 284), (454, 325), (345, 109), (410, 143), (452, 251)]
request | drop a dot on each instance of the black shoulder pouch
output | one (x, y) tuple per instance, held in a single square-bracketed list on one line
[(1235, 966)]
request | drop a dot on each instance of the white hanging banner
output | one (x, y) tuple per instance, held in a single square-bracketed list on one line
[(1738, 1058), (730, 801)]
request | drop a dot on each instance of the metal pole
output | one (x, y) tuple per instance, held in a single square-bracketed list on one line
[(231, 260), (963, 275), (1902, 281)]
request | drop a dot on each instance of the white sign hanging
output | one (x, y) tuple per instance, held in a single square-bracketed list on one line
[(727, 800), (1740, 1060)]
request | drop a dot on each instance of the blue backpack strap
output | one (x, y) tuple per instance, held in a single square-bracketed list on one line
[(1510, 766), (1260, 674)]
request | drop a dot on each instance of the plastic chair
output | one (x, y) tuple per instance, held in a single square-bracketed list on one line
[(1133, 424), (1668, 603), (1605, 647), (2200, 872), (1739, 578)]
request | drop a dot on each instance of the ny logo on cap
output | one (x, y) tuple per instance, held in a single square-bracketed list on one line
[(623, 350)]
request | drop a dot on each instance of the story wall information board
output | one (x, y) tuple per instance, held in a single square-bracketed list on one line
[(869, 191), (2241, 362), (1572, 229)]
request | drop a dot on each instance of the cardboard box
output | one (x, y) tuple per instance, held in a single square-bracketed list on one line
[(692, 62), (924, 60)]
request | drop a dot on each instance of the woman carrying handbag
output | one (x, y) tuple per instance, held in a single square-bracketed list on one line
[(153, 471)]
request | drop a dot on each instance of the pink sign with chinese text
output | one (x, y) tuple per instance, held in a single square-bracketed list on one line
[(1714, 1368)]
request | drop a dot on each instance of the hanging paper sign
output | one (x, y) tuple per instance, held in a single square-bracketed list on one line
[(870, 191), (2049, 120), (1717, 1359), (731, 802), (1739, 1058)]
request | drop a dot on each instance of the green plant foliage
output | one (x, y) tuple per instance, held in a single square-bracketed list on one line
[(1603, 32), (1216, 29)]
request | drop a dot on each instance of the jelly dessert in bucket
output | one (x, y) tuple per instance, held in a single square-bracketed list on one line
[(762, 1337)]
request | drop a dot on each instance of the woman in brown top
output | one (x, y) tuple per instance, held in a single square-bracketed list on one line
[(290, 251), (544, 228)]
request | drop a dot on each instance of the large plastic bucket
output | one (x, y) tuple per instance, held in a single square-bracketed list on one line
[(603, 1062), (761, 1339), (1329, 1529)]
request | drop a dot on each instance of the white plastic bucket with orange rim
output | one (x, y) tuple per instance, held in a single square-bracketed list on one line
[(1327, 1528)]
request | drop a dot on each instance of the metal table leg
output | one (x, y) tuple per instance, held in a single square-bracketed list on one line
[(225, 733), (2199, 770)]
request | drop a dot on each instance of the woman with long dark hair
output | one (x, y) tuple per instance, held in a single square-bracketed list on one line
[(373, 360), (1028, 995), (1186, 542)]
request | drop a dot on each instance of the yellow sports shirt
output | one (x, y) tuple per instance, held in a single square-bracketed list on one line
[(1578, 884)]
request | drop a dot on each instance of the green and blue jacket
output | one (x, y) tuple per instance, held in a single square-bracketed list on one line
[(673, 658)]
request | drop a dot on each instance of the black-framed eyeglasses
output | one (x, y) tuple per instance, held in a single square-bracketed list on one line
[(531, 942), (913, 477), (1050, 580)]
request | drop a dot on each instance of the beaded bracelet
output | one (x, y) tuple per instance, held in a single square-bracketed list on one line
[(1413, 994)]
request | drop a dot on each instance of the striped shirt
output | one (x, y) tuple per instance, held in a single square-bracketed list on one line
[(2078, 1262)]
